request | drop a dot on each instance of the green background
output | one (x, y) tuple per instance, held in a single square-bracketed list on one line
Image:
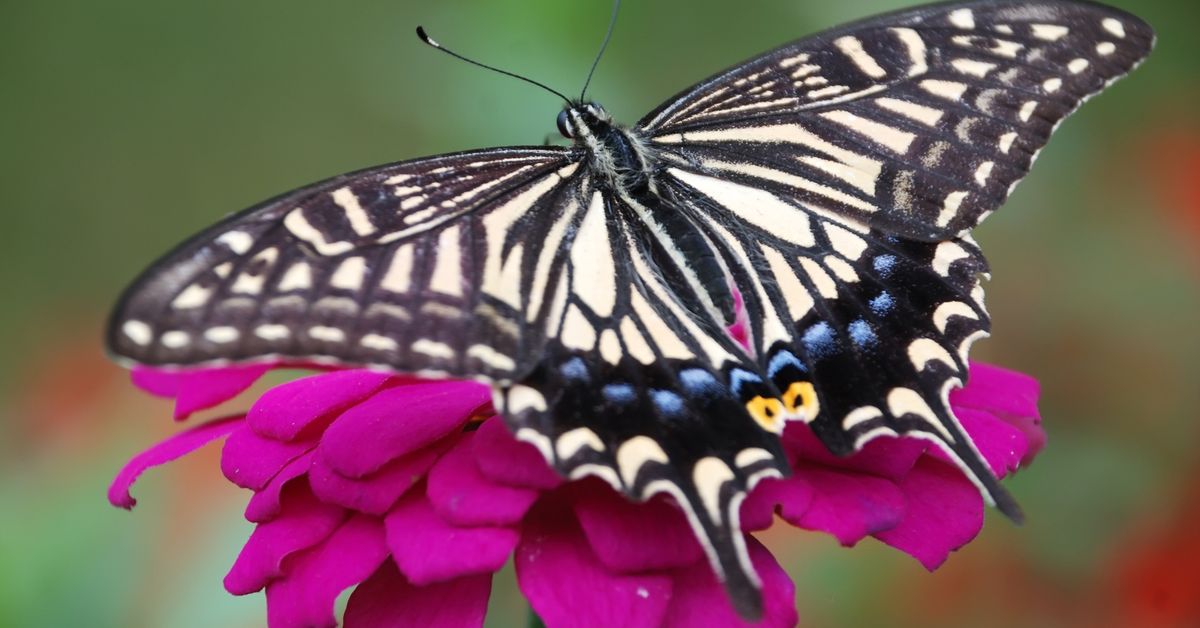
[(127, 125)]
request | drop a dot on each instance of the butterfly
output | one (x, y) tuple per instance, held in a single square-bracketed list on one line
[(824, 191)]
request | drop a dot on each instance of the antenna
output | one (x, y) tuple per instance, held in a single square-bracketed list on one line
[(429, 40), (603, 45)]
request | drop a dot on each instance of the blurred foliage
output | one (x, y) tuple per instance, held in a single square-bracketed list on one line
[(127, 125)]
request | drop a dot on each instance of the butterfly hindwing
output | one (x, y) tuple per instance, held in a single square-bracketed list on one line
[(862, 332), (635, 389)]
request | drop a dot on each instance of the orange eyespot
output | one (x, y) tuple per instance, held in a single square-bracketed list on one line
[(768, 412), (800, 399)]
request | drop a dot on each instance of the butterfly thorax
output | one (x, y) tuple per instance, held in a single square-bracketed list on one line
[(617, 153), (621, 158)]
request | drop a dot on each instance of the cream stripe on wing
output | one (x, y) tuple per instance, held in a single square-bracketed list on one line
[(593, 274), (853, 48), (757, 207), (502, 276)]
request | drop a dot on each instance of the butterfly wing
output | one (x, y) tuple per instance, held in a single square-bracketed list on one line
[(838, 177), (425, 266), (919, 122)]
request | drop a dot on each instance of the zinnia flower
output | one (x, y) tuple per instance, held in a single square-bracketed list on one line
[(414, 492)]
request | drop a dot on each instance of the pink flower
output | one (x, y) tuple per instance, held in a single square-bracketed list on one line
[(415, 492)]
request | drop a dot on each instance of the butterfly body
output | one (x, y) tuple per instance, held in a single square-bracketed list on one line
[(821, 193), (616, 152)]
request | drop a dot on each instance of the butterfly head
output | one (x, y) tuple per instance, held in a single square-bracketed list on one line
[(582, 115)]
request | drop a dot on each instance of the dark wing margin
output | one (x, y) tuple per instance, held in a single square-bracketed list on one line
[(425, 266), (919, 123)]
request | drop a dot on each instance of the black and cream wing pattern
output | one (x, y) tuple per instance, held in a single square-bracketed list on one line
[(417, 266), (829, 185)]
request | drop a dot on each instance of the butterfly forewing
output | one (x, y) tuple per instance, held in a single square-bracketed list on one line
[(919, 122), (417, 266)]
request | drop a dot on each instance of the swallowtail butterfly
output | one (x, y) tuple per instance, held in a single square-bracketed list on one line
[(830, 185)]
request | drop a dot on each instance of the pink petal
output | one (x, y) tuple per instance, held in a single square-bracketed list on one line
[(157, 382), (250, 461), (303, 522), (200, 388), (464, 497), (1009, 397), (739, 330), (507, 460), (1001, 444), (885, 456), (386, 600), (847, 505), (945, 511), (567, 586), (428, 550), (285, 410), (375, 493), (170, 449), (304, 597), (629, 537), (700, 600), (398, 421), (264, 505), (999, 391), (1035, 437), (790, 496)]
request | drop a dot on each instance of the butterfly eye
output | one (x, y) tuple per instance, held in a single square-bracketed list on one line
[(564, 125)]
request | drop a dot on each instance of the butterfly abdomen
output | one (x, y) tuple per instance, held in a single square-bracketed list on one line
[(697, 251)]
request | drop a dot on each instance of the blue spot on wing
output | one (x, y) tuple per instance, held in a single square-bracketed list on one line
[(619, 393), (739, 378), (861, 333), (782, 360), (574, 369), (667, 402), (819, 340), (699, 382), (882, 305), (884, 265)]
